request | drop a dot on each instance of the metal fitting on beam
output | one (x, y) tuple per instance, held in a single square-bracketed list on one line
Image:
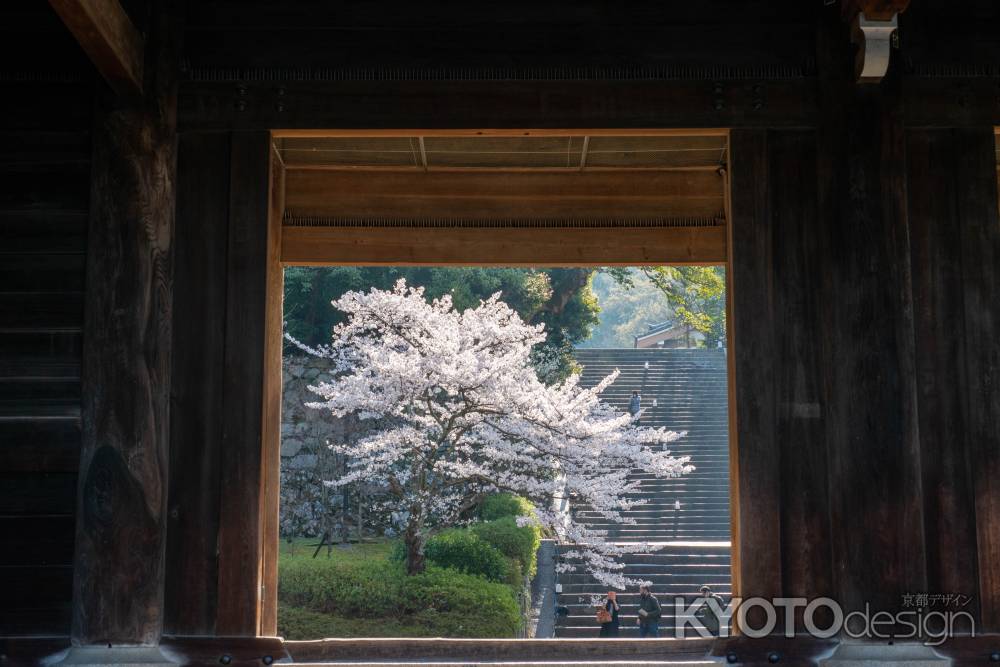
[(874, 41)]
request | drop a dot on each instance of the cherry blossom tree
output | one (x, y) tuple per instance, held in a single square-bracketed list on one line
[(456, 411)]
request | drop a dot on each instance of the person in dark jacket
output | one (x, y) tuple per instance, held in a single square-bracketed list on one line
[(706, 614), (635, 405), (610, 629), (649, 613)]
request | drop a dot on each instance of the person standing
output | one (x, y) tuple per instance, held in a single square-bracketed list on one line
[(609, 628), (649, 613), (635, 405)]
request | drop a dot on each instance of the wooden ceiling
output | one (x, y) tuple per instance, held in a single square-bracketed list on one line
[(505, 197), (579, 152)]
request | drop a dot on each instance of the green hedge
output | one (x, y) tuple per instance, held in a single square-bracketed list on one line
[(464, 551), (365, 589), (518, 542), (505, 504), (323, 599)]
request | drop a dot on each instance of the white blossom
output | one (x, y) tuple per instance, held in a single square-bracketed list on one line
[(456, 411)]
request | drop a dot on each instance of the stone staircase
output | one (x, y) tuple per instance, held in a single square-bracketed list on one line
[(692, 544)]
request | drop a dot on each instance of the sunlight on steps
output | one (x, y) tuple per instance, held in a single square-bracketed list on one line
[(690, 543)]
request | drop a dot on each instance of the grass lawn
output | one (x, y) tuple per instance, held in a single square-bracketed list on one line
[(359, 591), (304, 547)]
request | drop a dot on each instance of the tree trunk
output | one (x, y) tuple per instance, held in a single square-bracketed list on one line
[(566, 283), (414, 542)]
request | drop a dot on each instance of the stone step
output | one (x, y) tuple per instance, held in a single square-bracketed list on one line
[(581, 593), (679, 536), (697, 555), (668, 573), (662, 504), (707, 560), (577, 606), (694, 578), (634, 520), (630, 601), (654, 529), (668, 493), (625, 632), (628, 618), (637, 377)]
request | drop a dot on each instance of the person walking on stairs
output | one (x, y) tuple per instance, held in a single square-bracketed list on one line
[(649, 613), (635, 406), (608, 616), (706, 612)]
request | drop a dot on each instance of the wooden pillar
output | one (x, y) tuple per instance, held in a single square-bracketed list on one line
[(243, 386), (876, 521), (121, 522), (938, 291), (781, 517), (979, 221), (756, 510), (955, 240), (223, 539), (198, 369)]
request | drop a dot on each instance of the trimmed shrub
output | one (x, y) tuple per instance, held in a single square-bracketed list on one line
[(367, 589), (462, 550), (479, 606), (518, 542), (320, 599), (504, 504)]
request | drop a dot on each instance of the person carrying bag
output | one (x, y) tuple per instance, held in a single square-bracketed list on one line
[(607, 616)]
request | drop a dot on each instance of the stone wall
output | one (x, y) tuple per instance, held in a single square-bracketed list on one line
[(309, 507), (304, 430)]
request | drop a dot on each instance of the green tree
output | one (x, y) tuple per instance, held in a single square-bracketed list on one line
[(563, 299), (698, 296), (559, 298), (627, 309)]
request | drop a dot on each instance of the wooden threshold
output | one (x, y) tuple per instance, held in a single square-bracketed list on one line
[(504, 132)]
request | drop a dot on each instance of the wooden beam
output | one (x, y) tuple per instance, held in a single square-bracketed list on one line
[(109, 38), (502, 246), (363, 106), (876, 10), (496, 195)]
